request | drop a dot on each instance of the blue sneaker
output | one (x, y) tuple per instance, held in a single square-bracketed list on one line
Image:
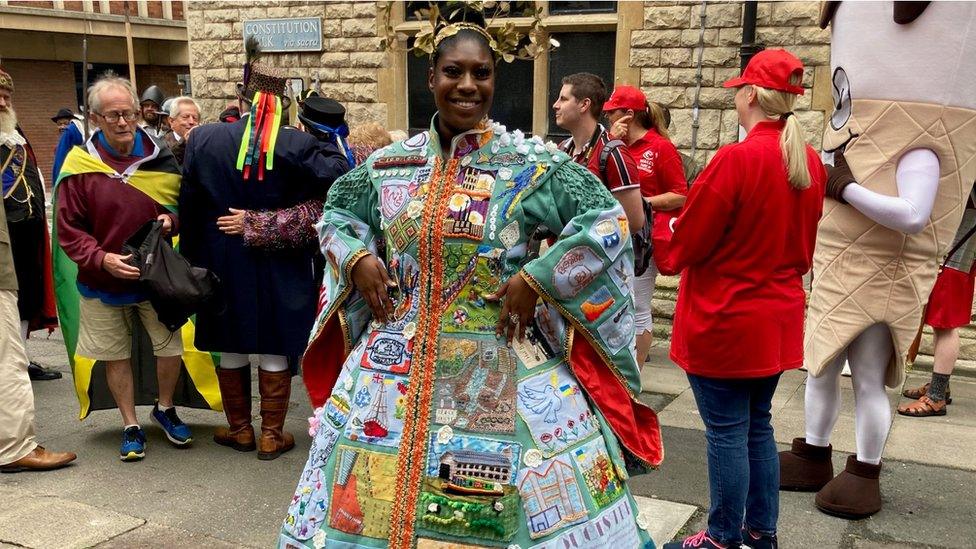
[(176, 431), (133, 444)]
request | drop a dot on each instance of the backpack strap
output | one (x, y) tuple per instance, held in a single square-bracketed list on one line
[(605, 155)]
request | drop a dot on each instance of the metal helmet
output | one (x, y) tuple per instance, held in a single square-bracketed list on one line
[(154, 94), (167, 105)]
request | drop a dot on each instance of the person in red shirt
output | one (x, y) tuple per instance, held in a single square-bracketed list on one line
[(743, 243), (577, 110), (950, 308), (640, 125)]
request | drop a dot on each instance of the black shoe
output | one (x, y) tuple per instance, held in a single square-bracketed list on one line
[(756, 540), (40, 373)]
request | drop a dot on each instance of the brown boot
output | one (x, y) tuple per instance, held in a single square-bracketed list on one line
[(805, 468), (235, 391), (275, 391), (853, 494)]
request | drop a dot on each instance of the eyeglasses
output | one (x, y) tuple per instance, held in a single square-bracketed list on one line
[(113, 117)]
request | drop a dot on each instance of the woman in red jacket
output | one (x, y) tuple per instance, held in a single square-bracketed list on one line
[(640, 125), (743, 242)]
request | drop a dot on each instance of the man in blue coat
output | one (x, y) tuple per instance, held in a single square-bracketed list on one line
[(251, 193)]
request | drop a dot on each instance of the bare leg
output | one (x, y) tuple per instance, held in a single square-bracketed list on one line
[(946, 350), (167, 375), (119, 376), (644, 341)]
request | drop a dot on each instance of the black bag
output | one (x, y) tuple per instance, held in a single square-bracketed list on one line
[(643, 245), (177, 290)]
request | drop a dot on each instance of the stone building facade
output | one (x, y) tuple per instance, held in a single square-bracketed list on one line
[(655, 45), (42, 50)]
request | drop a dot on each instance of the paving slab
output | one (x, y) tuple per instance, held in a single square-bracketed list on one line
[(666, 518), (29, 519), (151, 536)]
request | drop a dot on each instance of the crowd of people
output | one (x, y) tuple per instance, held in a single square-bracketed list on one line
[(470, 385)]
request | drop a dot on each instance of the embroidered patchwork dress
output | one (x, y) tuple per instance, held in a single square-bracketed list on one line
[(433, 433)]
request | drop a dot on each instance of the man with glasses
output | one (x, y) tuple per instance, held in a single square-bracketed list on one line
[(184, 116), (108, 189)]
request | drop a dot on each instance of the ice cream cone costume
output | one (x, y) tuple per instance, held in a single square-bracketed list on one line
[(897, 87)]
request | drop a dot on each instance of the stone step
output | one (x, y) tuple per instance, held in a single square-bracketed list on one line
[(665, 518)]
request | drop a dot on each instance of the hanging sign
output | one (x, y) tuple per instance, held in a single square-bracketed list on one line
[(283, 35)]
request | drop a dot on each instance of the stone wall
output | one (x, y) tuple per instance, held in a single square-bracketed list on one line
[(666, 51), (348, 66)]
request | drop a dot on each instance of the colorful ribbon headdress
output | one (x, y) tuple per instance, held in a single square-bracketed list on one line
[(264, 87)]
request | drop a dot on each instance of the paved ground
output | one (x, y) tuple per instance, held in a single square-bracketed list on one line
[(210, 496)]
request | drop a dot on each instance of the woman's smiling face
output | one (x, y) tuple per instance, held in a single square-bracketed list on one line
[(463, 83)]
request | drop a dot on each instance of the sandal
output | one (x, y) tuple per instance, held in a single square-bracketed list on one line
[(923, 407), (919, 392)]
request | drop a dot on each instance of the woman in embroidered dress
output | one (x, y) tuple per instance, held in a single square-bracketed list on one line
[(467, 412)]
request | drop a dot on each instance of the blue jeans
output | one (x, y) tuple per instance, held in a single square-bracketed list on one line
[(743, 463)]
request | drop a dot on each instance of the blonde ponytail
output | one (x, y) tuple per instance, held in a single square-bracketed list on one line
[(652, 118), (657, 119), (777, 104)]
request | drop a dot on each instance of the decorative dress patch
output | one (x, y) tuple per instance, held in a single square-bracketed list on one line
[(614, 527), (598, 472), (555, 410), (394, 195), (622, 274), (575, 270), (597, 304), (618, 329), (388, 352), (609, 233), (551, 497), (475, 386), (363, 492), (378, 409), (469, 490)]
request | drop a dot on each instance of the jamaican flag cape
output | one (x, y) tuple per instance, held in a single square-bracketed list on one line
[(158, 177)]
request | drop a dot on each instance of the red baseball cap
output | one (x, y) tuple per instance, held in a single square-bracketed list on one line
[(626, 97), (770, 69)]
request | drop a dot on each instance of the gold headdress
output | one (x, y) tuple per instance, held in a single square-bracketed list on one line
[(6, 81), (505, 42)]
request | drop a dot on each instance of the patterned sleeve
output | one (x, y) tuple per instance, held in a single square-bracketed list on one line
[(348, 231), (586, 272), (285, 228)]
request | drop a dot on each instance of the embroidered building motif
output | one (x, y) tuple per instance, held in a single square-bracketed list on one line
[(475, 386), (469, 489), (551, 497)]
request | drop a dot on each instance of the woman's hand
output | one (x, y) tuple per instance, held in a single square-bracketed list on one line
[(233, 223), (620, 128), (372, 280), (518, 307)]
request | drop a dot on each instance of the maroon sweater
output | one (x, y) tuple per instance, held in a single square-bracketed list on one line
[(96, 214)]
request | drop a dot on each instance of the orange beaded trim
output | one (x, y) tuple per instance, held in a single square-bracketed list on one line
[(412, 458)]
